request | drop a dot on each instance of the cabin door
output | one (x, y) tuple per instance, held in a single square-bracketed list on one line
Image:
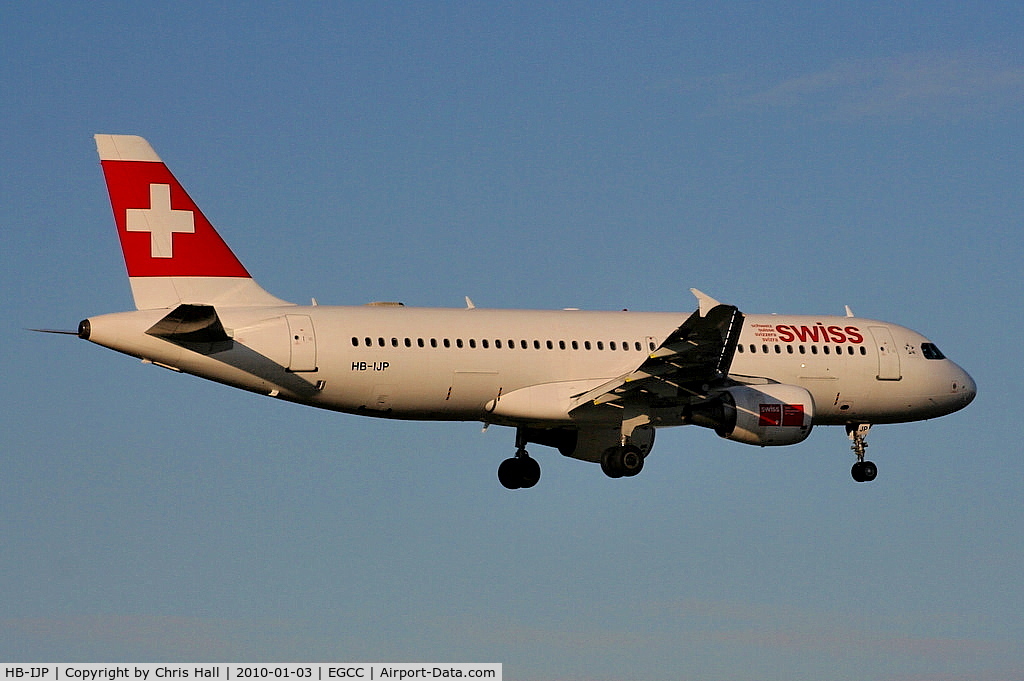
[(888, 358)]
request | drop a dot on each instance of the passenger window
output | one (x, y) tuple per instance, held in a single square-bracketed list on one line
[(611, 345), (355, 342), (586, 345), (740, 348)]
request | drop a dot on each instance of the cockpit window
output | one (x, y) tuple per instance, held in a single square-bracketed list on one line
[(931, 352)]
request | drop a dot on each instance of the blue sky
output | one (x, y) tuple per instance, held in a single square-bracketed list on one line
[(784, 158)]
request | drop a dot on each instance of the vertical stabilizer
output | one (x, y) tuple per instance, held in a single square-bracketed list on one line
[(173, 254)]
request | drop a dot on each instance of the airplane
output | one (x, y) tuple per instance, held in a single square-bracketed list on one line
[(595, 385)]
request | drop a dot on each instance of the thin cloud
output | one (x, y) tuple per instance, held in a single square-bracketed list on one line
[(909, 86)]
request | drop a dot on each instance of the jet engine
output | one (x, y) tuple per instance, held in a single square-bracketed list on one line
[(763, 415)]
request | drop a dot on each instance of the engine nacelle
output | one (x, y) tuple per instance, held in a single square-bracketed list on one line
[(764, 415)]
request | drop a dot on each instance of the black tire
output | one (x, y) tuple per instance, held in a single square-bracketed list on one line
[(529, 472), (864, 471), (869, 471), (632, 461), (509, 474), (611, 462)]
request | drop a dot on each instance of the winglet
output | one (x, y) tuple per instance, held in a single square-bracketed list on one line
[(706, 302)]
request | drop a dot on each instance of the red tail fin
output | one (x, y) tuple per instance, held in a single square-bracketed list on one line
[(172, 252)]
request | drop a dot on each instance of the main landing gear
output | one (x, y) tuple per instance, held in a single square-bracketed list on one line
[(619, 456), (519, 472), (622, 462), (862, 471)]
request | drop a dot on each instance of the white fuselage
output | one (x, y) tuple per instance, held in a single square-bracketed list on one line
[(593, 385), (468, 364)]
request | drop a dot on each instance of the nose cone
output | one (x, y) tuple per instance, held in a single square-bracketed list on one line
[(964, 388)]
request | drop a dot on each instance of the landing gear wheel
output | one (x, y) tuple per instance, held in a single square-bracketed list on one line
[(622, 462), (632, 461), (519, 472), (529, 472), (508, 474), (611, 462), (864, 471)]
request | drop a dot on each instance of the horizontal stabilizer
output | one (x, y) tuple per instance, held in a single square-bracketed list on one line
[(191, 324)]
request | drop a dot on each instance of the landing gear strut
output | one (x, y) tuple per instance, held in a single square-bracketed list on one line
[(862, 471)]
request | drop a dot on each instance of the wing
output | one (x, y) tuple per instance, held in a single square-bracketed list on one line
[(693, 357)]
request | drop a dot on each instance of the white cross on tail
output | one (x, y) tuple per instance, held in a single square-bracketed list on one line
[(160, 221)]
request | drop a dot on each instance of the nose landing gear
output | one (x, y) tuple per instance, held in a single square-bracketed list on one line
[(862, 471)]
